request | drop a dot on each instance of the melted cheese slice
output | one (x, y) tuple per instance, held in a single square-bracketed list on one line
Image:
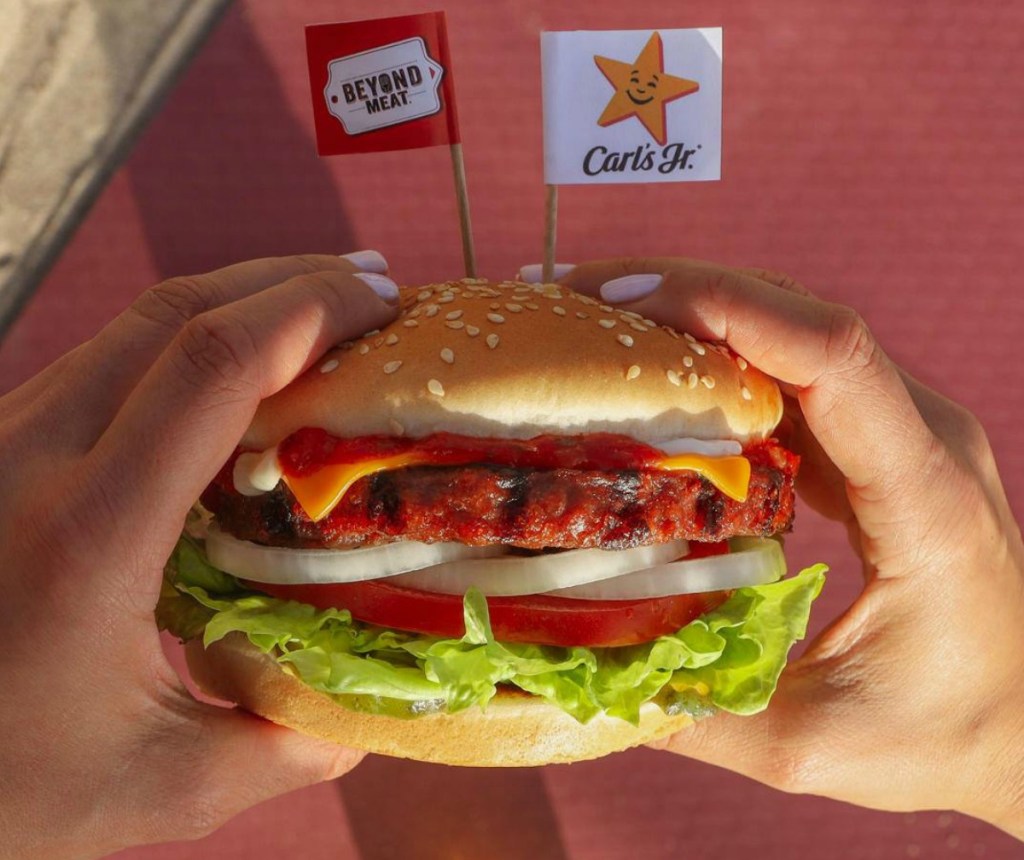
[(320, 492), (731, 475)]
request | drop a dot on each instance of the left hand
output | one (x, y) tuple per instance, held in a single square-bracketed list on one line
[(101, 456)]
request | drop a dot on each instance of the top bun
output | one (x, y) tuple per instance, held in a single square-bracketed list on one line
[(513, 360)]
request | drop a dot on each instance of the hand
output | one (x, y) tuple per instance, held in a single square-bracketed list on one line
[(101, 456), (914, 698)]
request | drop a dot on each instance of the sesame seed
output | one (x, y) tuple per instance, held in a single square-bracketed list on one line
[(431, 310), (446, 298), (698, 348), (582, 315), (687, 361), (378, 342), (672, 332), (637, 326), (630, 315), (435, 387), (650, 323), (392, 339), (410, 323), (746, 393), (364, 348), (606, 323), (692, 380), (373, 333), (673, 377), (741, 363), (492, 340), (558, 309), (625, 340), (587, 300), (423, 295), (472, 330), (707, 381), (453, 315), (496, 318), (689, 337), (456, 324), (606, 308), (392, 366), (532, 306), (633, 372), (514, 307), (495, 306), (396, 428), (328, 366), (447, 356)]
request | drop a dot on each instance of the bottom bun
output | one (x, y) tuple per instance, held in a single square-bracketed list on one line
[(516, 730)]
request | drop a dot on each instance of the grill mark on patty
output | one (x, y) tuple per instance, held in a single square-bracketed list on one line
[(632, 529), (773, 499), (627, 485), (384, 502), (710, 506), (516, 484), (277, 515)]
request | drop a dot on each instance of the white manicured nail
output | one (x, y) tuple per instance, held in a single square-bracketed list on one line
[(367, 261), (534, 272), (382, 285), (630, 288)]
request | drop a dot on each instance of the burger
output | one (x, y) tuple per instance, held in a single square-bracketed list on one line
[(517, 526)]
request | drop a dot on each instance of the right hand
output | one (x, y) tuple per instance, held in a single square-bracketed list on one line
[(914, 697)]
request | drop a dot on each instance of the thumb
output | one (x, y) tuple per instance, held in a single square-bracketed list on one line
[(762, 747), (210, 763)]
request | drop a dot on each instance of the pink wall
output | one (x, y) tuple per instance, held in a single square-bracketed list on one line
[(871, 150)]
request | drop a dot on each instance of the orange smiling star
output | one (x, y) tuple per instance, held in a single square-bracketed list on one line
[(642, 89)]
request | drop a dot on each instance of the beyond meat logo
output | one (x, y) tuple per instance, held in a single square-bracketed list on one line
[(384, 86)]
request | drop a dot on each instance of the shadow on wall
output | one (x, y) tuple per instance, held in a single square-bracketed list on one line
[(225, 171)]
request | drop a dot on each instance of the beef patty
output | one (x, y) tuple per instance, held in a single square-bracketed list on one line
[(529, 508)]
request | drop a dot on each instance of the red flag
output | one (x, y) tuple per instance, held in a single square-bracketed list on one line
[(382, 84)]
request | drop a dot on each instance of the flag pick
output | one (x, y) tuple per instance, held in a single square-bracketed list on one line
[(386, 84), (628, 106)]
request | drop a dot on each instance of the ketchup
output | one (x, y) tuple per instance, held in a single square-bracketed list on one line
[(309, 449)]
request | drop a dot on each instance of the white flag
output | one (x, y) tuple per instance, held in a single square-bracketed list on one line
[(632, 105)]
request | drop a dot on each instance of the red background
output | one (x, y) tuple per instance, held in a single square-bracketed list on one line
[(871, 150), (326, 42)]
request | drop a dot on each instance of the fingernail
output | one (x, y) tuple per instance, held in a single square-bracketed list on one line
[(630, 288), (534, 272), (367, 261), (382, 285)]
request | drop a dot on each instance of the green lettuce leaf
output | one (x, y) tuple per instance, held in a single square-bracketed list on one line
[(730, 658)]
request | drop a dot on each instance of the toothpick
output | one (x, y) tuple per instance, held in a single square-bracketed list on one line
[(550, 230), (462, 198)]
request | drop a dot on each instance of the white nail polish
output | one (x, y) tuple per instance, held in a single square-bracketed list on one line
[(534, 272), (630, 288), (367, 261), (382, 285)]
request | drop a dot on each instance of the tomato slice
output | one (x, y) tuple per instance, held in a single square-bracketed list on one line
[(535, 618)]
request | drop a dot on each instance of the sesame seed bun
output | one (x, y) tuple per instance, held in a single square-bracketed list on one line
[(516, 730), (512, 360)]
